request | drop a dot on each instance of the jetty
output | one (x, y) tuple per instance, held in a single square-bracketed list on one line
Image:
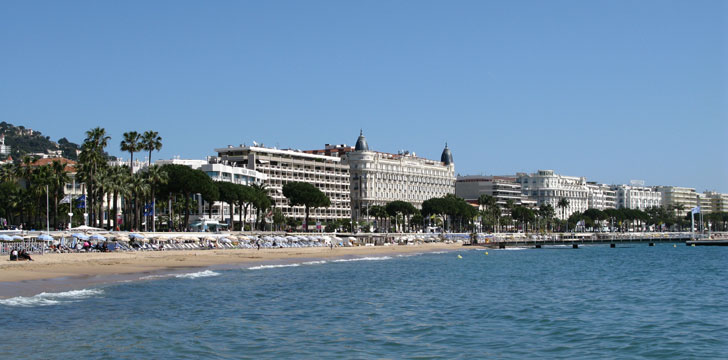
[(502, 241)]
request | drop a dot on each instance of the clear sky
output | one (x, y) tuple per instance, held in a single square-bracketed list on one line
[(610, 90)]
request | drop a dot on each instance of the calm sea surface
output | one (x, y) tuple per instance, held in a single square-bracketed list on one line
[(592, 302)]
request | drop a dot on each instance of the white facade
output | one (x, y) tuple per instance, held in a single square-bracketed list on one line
[(328, 173), (4, 149), (502, 188), (637, 197), (379, 178), (718, 201), (546, 187), (601, 196), (674, 197)]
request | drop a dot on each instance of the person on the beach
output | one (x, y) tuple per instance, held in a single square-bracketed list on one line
[(24, 255), (258, 243), (14, 255)]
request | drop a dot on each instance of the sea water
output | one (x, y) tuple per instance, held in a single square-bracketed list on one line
[(592, 302)]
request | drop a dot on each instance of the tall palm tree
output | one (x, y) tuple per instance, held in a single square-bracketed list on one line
[(131, 143), (563, 204), (151, 141), (155, 176), (140, 188), (92, 157), (59, 180), (119, 187)]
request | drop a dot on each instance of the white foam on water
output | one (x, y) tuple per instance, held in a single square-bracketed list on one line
[(365, 259), (443, 252), (314, 262), (46, 299), (261, 267), (200, 274), (151, 277)]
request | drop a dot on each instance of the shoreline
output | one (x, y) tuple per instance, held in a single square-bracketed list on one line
[(53, 272)]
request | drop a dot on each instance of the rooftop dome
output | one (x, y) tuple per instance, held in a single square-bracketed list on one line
[(361, 143), (446, 156)]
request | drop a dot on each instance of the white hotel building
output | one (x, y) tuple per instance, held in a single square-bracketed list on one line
[(379, 178), (328, 173), (637, 196), (548, 188)]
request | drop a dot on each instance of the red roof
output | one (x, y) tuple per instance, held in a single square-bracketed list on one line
[(70, 164)]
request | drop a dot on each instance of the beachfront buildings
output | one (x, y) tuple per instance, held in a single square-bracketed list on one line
[(328, 173), (378, 178), (217, 170), (503, 188), (679, 199), (637, 196), (718, 201), (546, 187), (600, 196)]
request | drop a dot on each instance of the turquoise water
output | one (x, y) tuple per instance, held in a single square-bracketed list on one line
[(592, 302)]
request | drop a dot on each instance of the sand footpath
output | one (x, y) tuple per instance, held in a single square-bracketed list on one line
[(50, 266)]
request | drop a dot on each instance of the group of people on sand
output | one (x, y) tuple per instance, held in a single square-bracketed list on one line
[(19, 255)]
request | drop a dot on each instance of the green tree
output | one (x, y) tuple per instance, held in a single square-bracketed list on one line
[(132, 144), (151, 141), (301, 193)]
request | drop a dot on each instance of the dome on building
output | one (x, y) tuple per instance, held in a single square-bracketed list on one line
[(446, 156), (361, 143)]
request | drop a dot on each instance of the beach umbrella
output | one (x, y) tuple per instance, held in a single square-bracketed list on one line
[(80, 236), (136, 236), (4, 237), (17, 238), (44, 237), (97, 237)]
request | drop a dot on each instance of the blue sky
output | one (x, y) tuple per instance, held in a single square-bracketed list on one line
[(610, 90)]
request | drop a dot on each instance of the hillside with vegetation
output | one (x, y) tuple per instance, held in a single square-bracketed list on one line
[(23, 141)]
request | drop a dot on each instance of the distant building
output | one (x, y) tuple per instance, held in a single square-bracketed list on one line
[(637, 197), (4, 149), (328, 173), (378, 178), (718, 201), (546, 187), (502, 188), (601, 196), (218, 170), (674, 197)]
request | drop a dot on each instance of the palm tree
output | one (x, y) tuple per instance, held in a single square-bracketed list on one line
[(262, 202), (155, 176), (151, 141), (140, 188), (91, 159), (563, 204), (131, 144), (59, 180), (119, 187)]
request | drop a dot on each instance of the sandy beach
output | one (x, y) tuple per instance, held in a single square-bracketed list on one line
[(51, 266)]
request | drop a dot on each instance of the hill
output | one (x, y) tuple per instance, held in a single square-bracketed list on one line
[(23, 141)]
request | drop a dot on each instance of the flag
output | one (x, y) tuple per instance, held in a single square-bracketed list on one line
[(81, 202), (66, 199), (695, 210)]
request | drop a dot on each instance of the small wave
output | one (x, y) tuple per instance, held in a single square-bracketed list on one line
[(206, 273), (45, 299), (315, 262), (151, 277), (443, 252), (261, 267), (365, 259)]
